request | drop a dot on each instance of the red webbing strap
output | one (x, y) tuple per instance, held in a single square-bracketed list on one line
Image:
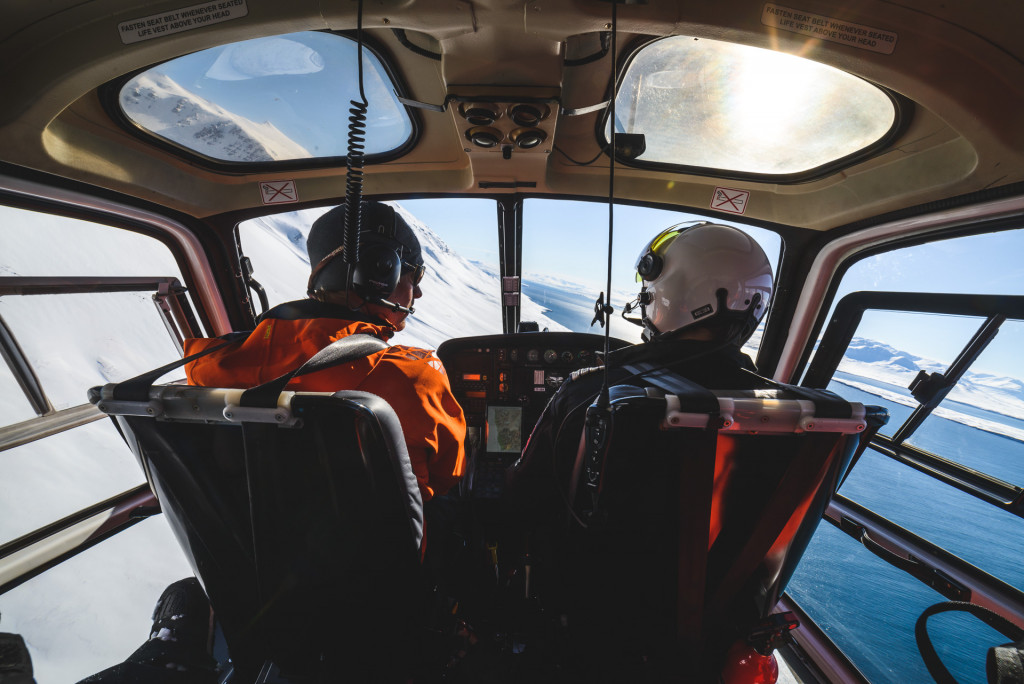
[(803, 476), (696, 489)]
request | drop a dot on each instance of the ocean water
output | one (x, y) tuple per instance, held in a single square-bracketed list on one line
[(868, 607)]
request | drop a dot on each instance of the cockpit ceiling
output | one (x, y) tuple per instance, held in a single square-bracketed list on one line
[(956, 72)]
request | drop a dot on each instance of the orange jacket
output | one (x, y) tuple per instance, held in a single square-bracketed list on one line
[(412, 380)]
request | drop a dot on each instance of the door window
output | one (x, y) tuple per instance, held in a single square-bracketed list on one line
[(947, 468), (78, 309)]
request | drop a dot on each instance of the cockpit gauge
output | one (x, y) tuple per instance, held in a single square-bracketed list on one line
[(550, 356), (533, 356), (567, 356)]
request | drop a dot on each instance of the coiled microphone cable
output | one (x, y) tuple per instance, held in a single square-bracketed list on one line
[(354, 162)]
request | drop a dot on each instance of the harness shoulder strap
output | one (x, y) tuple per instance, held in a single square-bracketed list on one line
[(341, 351), (137, 388)]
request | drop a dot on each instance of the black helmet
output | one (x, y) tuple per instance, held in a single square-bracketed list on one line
[(388, 247)]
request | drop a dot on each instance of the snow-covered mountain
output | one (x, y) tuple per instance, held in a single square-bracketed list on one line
[(162, 106), (876, 361)]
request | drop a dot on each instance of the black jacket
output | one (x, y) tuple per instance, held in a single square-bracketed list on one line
[(536, 483)]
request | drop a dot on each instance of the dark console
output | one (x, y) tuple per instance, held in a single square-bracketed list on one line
[(503, 383)]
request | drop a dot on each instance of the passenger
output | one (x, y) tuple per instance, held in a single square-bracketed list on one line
[(412, 380), (705, 288)]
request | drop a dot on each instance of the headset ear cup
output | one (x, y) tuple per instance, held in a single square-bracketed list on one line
[(649, 267), (377, 273), (333, 277)]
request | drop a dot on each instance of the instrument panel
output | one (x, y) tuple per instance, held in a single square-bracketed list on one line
[(503, 383)]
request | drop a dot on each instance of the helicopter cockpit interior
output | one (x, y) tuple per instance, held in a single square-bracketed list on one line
[(851, 515)]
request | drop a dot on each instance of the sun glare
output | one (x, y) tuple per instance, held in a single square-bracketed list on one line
[(718, 105)]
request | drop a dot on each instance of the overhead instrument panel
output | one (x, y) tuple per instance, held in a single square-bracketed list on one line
[(503, 383)]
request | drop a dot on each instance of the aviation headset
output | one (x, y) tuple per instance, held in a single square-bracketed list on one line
[(387, 247)]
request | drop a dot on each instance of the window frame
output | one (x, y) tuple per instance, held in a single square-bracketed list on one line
[(994, 309)]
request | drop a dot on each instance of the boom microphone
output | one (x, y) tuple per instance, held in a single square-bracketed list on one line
[(392, 305)]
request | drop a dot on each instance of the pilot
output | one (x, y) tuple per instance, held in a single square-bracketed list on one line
[(704, 289), (345, 301)]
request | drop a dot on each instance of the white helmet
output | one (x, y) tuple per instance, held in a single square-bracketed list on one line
[(696, 273)]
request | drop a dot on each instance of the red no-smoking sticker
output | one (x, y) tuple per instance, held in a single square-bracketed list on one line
[(278, 192), (732, 201)]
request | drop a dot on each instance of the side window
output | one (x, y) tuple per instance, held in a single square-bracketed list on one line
[(458, 240), (929, 333), (81, 304)]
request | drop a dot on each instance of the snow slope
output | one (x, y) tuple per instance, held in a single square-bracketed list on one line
[(162, 106), (877, 361), (460, 297)]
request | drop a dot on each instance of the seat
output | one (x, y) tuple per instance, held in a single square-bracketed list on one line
[(696, 515), (303, 522)]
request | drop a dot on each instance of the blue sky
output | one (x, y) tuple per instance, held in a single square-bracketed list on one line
[(980, 264)]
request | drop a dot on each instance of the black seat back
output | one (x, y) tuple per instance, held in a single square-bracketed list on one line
[(693, 532), (304, 523)]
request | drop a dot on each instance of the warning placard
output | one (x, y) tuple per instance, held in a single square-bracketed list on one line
[(185, 19), (278, 192), (732, 201), (828, 28)]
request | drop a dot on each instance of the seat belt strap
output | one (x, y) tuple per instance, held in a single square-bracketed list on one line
[(137, 388), (349, 348), (806, 473), (346, 349)]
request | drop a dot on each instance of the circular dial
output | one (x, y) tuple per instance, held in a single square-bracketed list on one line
[(550, 356), (533, 355)]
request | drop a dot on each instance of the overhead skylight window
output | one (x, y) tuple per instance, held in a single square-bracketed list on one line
[(279, 98), (746, 110)]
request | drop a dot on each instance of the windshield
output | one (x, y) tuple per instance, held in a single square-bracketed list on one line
[(564, 257)]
